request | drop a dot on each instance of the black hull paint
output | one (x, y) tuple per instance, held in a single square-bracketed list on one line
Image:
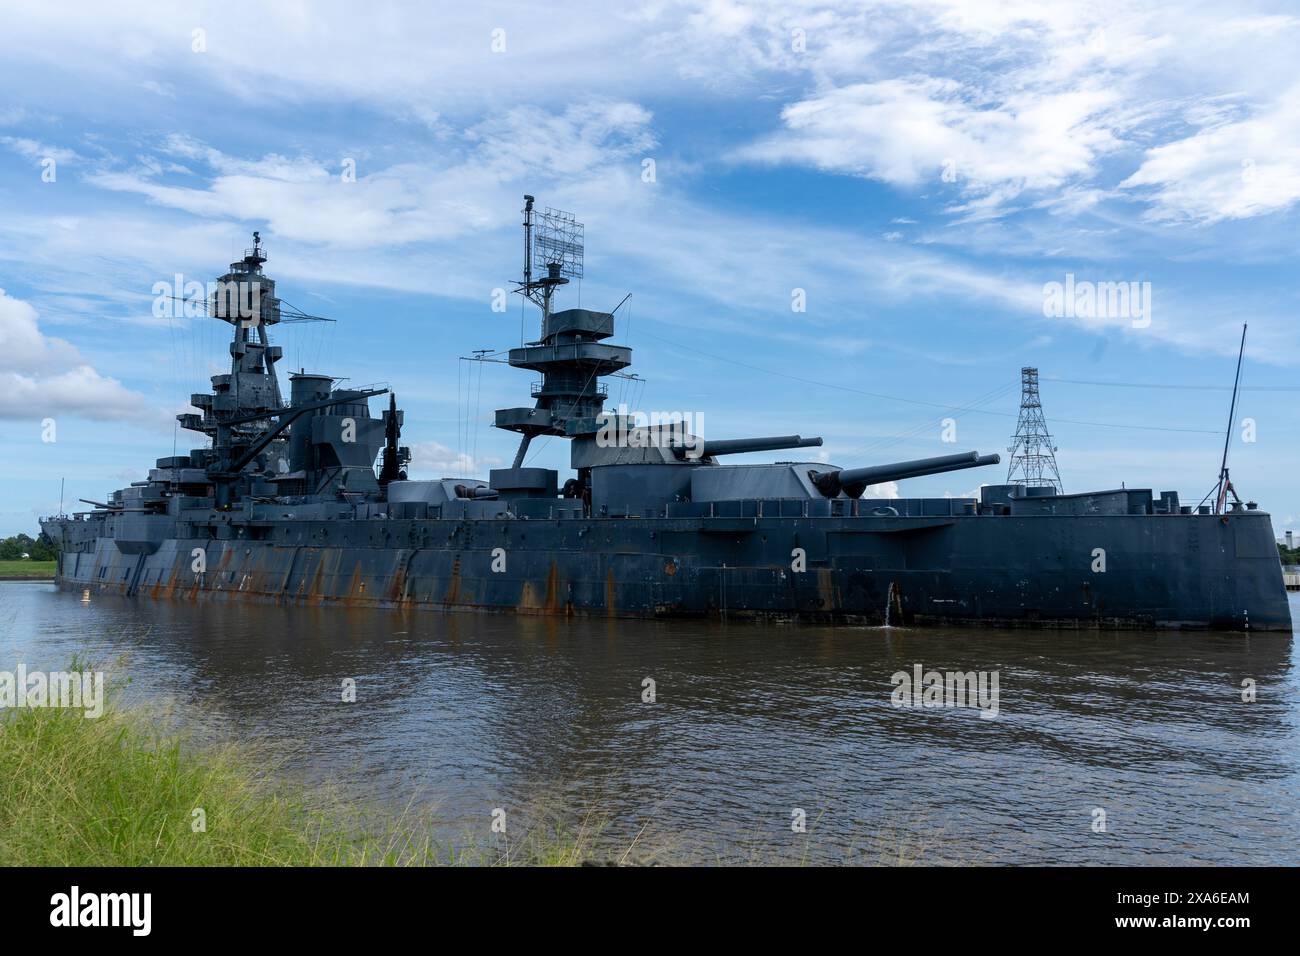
[(1177, 571)]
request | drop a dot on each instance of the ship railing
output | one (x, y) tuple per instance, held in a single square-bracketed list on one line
[(538, 389)]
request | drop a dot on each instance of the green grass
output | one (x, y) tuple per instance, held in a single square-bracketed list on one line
[(27, 569), (120, 791)]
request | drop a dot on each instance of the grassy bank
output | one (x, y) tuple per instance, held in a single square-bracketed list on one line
[(26, 569), (119, 791), (122, 790)]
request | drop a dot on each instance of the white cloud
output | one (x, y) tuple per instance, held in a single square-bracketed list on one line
[(41, 376), (1017, 97), (1227, 170), (308, 200), (34, 149), (431, 459), (922, 131), (885, 492)]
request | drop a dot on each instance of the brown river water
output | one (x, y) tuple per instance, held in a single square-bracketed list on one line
[(467, 713)]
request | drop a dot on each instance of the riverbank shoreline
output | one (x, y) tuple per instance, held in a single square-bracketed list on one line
[(137, 787), (125, 789), (27, 570)]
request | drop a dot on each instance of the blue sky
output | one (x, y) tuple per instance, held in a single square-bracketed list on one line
[(921, 170)]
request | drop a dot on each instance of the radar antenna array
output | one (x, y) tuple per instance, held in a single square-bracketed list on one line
[(558, 238), (554, 239)]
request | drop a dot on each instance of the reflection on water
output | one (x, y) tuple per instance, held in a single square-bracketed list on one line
[(749, 722)]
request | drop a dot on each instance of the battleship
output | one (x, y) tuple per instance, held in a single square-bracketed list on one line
[(308, 501)]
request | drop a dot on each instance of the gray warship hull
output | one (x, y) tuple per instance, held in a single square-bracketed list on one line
[(307, 501), (1184, 571)]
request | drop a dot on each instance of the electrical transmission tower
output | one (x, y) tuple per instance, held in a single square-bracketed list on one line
[(1033, 456)]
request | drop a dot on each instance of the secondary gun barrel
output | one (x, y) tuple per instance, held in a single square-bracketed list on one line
[(854, 481), (736, 446)]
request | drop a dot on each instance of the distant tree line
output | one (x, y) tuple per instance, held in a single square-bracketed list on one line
[(39, 549), (1288, 555)]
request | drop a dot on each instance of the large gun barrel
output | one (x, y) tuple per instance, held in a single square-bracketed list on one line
[(736, 446), (854, 481)]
